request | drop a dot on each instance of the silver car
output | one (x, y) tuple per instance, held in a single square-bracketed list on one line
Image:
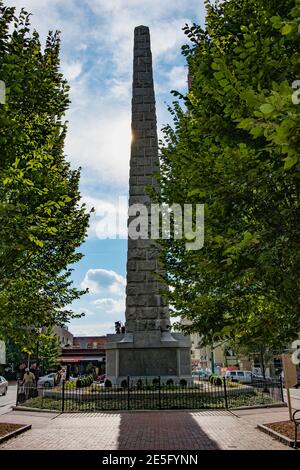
[(3, 385), (47, 381)]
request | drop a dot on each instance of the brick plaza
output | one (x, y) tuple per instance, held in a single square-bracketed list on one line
[(167, 430)]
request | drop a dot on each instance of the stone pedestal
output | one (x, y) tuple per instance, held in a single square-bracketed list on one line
[(148, 356)]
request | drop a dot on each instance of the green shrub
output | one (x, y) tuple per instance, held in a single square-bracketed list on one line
[(84, 381), (218, 381), (169, 382), (155, 382), (139, 384), (70, 385), (183, 383), (215, 380), (107, 383), (124, 383)]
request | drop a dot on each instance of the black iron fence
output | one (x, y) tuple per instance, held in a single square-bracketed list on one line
[(199, 394)]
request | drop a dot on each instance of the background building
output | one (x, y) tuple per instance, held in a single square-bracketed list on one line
[(64, 337), (86, 355)]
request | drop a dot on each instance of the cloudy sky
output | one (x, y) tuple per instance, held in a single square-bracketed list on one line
[(96, 58)]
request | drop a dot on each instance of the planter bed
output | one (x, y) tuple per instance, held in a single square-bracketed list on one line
[(9, 430), (283, 431)]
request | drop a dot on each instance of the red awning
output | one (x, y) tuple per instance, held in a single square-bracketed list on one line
[(70, 359)]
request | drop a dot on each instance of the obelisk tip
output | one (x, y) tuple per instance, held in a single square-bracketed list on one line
[(138, 30)]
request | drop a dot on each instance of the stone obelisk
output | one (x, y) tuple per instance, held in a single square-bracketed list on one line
[(148, 349)]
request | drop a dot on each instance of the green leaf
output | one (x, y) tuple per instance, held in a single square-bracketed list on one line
[(215, 66), (276, 22), (257, 132), (290, 162), (196, 192), (287, 29), (224, 83), (266, 108)]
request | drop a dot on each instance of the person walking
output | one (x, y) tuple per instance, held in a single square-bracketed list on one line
[(28, 382)]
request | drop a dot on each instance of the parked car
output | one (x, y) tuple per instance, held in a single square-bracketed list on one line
[(200, 374), (73, 379), (100, 378), (47, 380), (260, 378), (257, 376), (242, 376), (3, 385)]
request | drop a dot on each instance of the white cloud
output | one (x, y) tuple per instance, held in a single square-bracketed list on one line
[(119, 89), (71, 70), (99, 141), (109, 219), (87, 312), (178, 78), (91, 329), (104, 281), (112, 306)]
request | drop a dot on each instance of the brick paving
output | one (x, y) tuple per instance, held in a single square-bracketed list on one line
[(167, 430)]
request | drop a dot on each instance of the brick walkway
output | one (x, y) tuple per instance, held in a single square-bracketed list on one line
[(171, 430)]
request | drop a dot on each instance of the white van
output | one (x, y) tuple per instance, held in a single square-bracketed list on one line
[(243, 376)]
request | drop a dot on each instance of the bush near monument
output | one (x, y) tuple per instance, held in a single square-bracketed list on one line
[(84, 381)]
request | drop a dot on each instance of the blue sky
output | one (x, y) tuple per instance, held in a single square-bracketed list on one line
[(96, 58)]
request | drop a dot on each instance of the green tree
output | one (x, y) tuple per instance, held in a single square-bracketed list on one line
[(49, 351), (13, 353), (42, 221), (234, 147)]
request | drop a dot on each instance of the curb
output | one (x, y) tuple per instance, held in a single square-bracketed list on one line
[(38, 410), (258, 407), (190, 410), (277, 436), (15, 433)]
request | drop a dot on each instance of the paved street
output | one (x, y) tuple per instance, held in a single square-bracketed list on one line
[(9, 399), (168, 430)]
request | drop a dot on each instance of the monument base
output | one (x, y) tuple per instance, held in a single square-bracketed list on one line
[(147, 355)]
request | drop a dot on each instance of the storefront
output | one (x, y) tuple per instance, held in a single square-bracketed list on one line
[(84, 362)]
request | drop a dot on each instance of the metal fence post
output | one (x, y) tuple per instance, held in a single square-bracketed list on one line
[(63, 397), (159, 393), (281, 388), (128, 392), (225, 393), (17, 397)]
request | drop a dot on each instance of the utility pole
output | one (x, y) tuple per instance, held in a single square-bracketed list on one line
[(212, 360)]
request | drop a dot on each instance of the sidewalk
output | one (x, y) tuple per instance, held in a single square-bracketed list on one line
[(295, 397), (166, 430)]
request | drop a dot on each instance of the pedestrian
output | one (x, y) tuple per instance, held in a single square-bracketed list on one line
[(63, 375), (28, 382), (28, 377)]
